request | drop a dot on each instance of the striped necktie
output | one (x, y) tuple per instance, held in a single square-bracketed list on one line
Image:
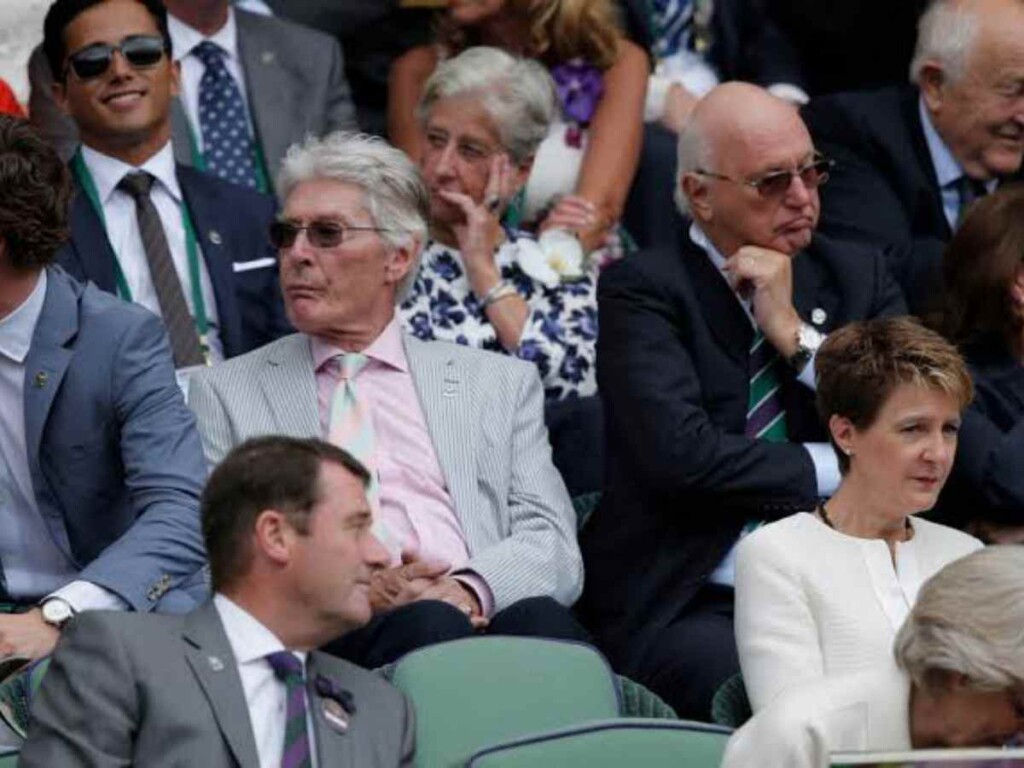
[(351, 421), (289, 670), (766, 418), (673, 22)]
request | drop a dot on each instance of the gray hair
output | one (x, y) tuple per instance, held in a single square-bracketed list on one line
[(693, 152), (945, 34), (969, 619), (518, 94), (394, 193)]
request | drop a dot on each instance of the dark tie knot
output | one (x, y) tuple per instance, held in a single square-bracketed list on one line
[(211, 54), (137, 184), (288, 667)]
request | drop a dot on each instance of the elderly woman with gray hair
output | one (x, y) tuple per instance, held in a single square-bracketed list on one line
[(483, 115), (958, 679)]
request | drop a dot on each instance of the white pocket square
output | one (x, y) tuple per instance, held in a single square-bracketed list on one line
[(245, 266)]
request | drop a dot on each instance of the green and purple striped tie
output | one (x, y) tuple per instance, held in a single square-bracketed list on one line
[(289, 670), (766, 418)]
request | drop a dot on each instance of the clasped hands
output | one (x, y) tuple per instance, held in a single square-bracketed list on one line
[(26, 635), (423, 579), (766, 278)]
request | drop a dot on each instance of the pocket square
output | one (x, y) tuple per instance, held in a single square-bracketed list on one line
[(245, 266)]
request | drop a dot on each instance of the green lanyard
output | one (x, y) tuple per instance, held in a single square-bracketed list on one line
[(82, 173), (259, 162)]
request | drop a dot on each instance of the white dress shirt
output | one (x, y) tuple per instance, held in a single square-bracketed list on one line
[(183, 40), (33, 563), (126, 240), (251, 642)]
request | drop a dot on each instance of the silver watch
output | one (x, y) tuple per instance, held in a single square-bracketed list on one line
[(57, 612), (807, 342)]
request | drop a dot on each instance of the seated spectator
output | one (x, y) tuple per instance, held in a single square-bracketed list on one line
[(278, 81), (8, 103), (823, 592), (958, 683), (181, 243), (484, 114), (706, 370), (477, 520), (983, 313), (239, 681), (910, 159), (584, 168), (100, 462)]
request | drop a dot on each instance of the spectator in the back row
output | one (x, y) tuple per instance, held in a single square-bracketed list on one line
[(909, 160), (190, 247), (251, 85), (706, 369)]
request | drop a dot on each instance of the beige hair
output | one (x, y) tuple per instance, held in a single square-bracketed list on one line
[(945, 33)]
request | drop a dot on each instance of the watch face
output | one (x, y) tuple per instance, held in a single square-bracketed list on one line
[(56, 612)]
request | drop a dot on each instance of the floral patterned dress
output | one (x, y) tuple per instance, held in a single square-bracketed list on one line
[(560, 334)]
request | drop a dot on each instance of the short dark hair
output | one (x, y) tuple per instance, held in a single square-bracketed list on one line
[(859, 366), (63, 12), (34, 191), (281, 473), (980, 264)]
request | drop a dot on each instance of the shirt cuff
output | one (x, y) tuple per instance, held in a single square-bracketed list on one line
[(480, 589), (86, 596), (658, 87), (826, 467), (807, 376), (789, 92)]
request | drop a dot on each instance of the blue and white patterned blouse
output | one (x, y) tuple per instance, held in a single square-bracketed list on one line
[(559, 337)]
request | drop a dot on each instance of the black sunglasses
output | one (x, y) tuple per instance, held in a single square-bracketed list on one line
[(775, 184), (140, 51), (321, 234)]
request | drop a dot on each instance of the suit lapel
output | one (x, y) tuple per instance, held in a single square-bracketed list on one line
[(930, 193), (288, 381), (209, 655), (814, 299), (722, 311), (90, 243), (333, 747), (442, 386)]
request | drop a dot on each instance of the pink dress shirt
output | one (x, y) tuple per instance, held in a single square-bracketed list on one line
[(415, 505)]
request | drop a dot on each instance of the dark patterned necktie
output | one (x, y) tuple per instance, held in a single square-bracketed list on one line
[(181, 328), (766, 418), (968, 190), (289, 670), (223, 120)]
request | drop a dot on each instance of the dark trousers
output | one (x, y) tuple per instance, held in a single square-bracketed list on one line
[(694, 654), (390, 636)]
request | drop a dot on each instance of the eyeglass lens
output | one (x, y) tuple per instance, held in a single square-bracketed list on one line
[(321, 234), (812, 176), (140, 51)]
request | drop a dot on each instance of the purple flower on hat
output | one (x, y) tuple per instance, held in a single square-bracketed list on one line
[(580, 87)]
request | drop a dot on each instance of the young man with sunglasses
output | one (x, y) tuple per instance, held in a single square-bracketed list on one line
[(706, 368), (188, 246)]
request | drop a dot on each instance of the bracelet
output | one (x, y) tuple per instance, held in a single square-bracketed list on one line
[(503, 289)]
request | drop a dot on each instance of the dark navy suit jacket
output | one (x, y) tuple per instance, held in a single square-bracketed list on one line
[(681, 479), (231, 225)]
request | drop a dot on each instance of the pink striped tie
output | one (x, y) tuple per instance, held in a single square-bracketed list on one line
[(351, 423)]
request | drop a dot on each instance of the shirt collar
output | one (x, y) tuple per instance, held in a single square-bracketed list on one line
[(184, 38), (17, 329), (386, 348), (108, 171), (947, 169), (701, 241), (249, 639)]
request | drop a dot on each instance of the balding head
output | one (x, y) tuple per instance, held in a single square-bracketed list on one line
[(742, 132)]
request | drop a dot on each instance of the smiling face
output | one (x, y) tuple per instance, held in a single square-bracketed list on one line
[(124, 109), (904, 457)]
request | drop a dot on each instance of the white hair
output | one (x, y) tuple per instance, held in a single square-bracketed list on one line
[(518, 94), (945, 34), (693, 152), (394, 193), (969, 619)]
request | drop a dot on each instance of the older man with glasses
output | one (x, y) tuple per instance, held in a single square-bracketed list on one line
[(706, 368)]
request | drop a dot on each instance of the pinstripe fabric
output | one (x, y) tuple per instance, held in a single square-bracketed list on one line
[(484, 412)]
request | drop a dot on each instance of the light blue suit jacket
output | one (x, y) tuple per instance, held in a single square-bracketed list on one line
[(116, 461)]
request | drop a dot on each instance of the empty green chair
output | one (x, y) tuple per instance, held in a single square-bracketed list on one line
[(613, 743), (470, 694)]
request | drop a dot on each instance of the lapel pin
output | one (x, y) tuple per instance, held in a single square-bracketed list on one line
[(41, 378), (818, 315), (215, 237), (215, 663), (267, 57), (337, 704), (451, 379), (335, 715)]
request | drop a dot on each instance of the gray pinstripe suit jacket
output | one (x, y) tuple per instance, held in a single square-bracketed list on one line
[(484, 412)]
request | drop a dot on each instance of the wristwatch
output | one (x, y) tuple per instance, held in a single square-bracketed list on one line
[(807, 342), (57, 612)]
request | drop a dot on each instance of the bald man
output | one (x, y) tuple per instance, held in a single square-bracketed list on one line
[(706, 369)]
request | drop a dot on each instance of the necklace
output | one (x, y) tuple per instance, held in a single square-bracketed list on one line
[(823, 514)]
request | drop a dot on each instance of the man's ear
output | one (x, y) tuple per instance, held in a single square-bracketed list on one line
[(931, 82), (696, 191), (274, 536), (401, 260), (175, 78), (60, 96)]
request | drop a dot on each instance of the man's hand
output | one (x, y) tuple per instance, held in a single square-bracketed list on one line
[(454, 592), (766, 276), (394, 587), (27, 635)]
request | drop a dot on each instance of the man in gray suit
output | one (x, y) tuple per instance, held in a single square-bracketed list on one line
[(100, 462), (287, 80), (238, 683), (476, 517)]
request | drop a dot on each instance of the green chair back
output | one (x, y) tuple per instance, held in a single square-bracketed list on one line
[(611, 744), (638, 701), (730, 706), (469, 694), (9, 760)]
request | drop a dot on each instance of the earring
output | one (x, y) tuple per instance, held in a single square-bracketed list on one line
[(848, 451)]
